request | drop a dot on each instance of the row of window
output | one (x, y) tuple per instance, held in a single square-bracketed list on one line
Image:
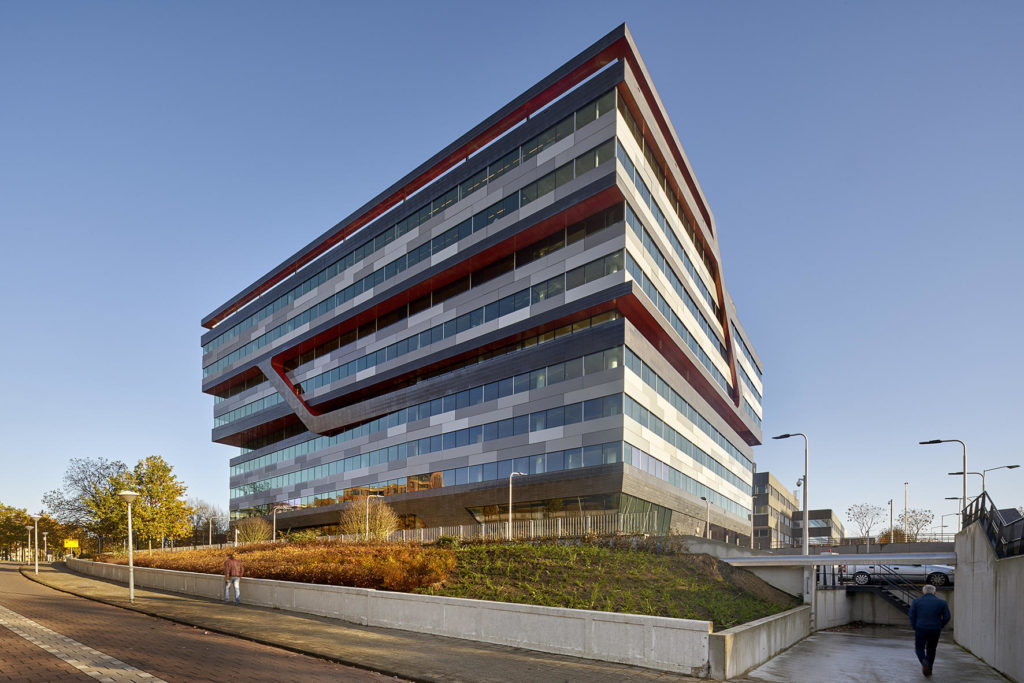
[(573, 413), (677, 205), (746, 351), (666, 229), (683, 407), (599, 361), (598, 268), (751, 412), (650, 464), (589, 112), (248, 409), (521, 257), (266, 440), (646, 418), (663, 305), (633, 221), (603, 153), (555, 461), (749, 382)]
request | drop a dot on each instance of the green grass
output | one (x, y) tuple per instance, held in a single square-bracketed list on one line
[(612, 580)]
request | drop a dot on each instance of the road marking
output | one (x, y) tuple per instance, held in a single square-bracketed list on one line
[(87, 660)]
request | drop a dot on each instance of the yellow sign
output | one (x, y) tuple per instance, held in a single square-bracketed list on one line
[(70, 542)]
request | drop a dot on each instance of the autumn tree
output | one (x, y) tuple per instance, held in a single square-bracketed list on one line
[(914, 521), (382, 519), (87, 501), (865, 517)]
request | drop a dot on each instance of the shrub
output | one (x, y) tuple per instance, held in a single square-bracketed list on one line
[(448, 542), (254, 530), (382, 519), (384, 566)]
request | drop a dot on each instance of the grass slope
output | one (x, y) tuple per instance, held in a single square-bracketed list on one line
[(612, 580)]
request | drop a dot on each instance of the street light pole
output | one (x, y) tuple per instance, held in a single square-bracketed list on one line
[(707, 525), (892, 529), (514, 474), (935, 441), (275, 510), (807, 537), (368, 497), (130, 497), (45, 546), (35, 548), (28, 543), (906, 513)]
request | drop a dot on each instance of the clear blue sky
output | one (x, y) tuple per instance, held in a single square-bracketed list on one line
[(863, 162)]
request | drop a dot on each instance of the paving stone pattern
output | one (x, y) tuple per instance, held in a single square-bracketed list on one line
[(84, 658), (168, 651)]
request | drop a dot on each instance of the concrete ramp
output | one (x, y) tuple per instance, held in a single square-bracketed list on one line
[(872, 654)]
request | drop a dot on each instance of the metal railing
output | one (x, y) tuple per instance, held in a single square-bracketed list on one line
[(1006, 537), (900, 589), (608, 524)]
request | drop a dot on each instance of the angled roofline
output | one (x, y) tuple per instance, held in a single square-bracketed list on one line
[(615, 45)]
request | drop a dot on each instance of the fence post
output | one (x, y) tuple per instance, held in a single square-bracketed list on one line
[(586, 524), (558, 526)]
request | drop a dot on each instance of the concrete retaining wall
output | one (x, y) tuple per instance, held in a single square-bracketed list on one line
[(678, 645), (737, 650), (989, 619)]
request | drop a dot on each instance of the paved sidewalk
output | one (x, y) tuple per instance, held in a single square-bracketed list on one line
[(405, 654), (873, 654)]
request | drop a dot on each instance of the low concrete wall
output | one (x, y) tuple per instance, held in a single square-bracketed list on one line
[(677, 645), (833, 608), (989, 620), (737, 650)]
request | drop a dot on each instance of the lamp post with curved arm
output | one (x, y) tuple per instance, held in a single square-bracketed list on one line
[(807, 521)]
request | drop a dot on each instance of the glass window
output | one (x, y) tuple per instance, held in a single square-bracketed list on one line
[(555, 462), (522, 465)]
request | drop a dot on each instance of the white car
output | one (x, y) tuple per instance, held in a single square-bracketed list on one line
[(935, 574)]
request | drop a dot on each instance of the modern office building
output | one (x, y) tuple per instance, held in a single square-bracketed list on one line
[(825, 528), (774, 506), (542, 296)]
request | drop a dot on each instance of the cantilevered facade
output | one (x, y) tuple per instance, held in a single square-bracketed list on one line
[(542, 296)]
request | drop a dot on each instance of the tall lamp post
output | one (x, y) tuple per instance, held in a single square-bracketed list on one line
[(956, 498), (368, 497), (807, 537), (514, 474), (35, 547), (28, 544), (45, 546), (906, 510), (892, 530), (130, 497), (274, 511), (932, 442), (707, 525)]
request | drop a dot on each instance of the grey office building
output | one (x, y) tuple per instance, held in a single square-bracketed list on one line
[(544, 295)]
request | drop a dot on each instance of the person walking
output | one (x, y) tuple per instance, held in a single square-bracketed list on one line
[(233, 573), (928, 614)]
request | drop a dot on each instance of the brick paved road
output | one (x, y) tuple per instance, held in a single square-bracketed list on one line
[(162, 649)]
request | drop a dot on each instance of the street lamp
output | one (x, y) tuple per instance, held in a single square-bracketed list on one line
[(45, 546), (957, 499), (986, 471), (935, 441), (707, 526), (35, 548), (892, 529), (130, 497), (514, 474), (807, 538), (942, 520), (368, 497), (28, 546), (274, 511)]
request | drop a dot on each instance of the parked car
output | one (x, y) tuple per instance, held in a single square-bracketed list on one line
[(935, 574)]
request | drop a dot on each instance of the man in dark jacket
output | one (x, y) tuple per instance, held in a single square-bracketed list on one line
[(928, 614)]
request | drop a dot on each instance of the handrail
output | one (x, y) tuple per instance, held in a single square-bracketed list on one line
[(898, 585), (1005, 537)]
